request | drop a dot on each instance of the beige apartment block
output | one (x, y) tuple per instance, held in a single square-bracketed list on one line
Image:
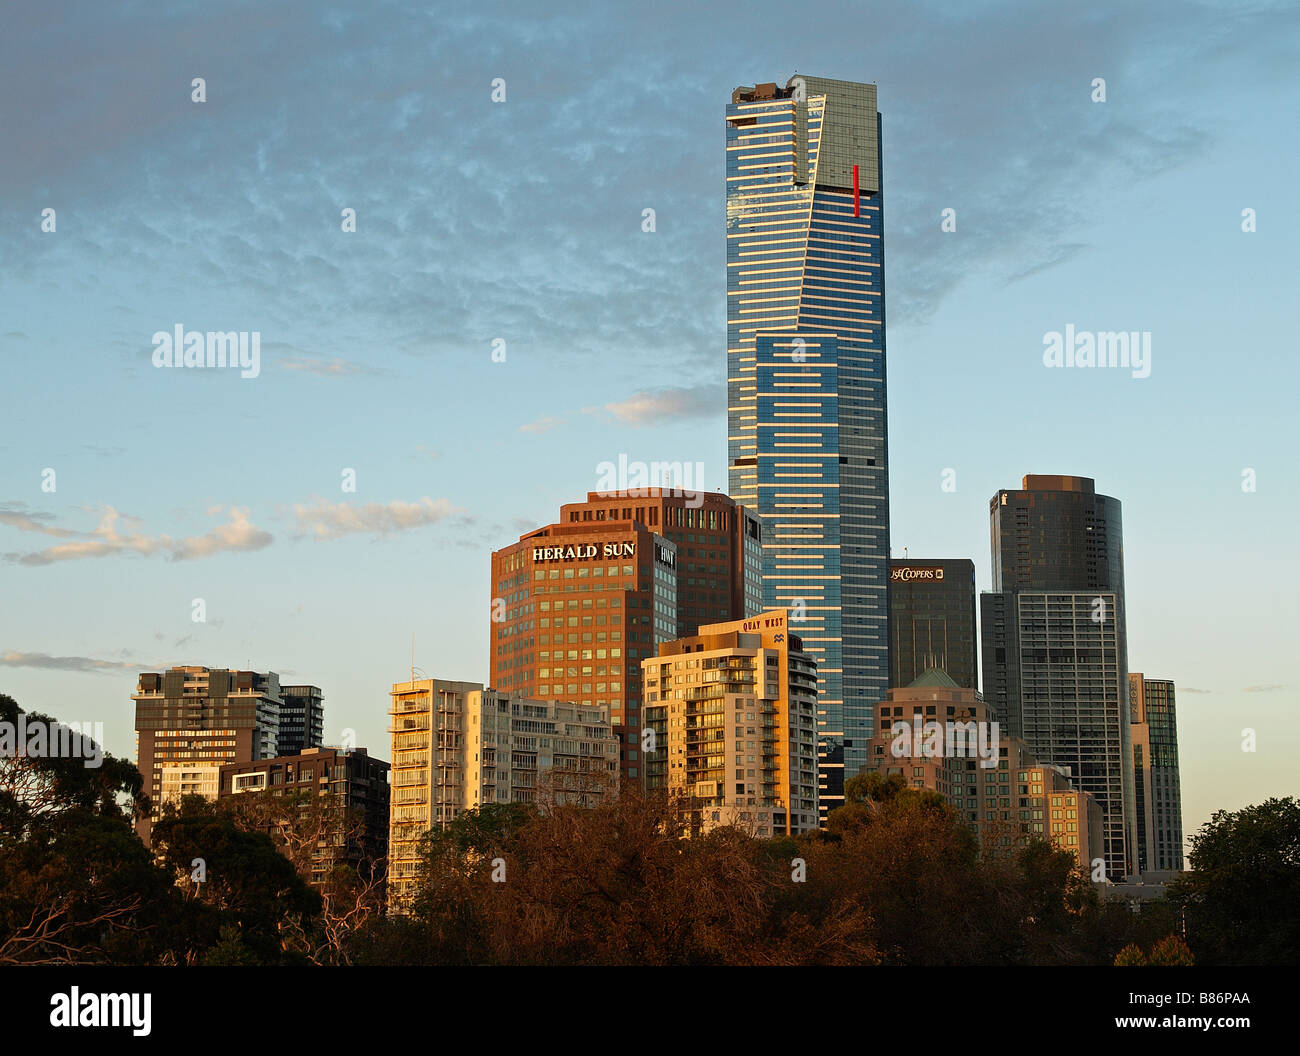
[(459, 745), (733, 711)]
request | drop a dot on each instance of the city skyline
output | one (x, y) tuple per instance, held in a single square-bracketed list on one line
[(177, 486)]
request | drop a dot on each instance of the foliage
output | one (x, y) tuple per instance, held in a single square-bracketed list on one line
[(1240, 895)]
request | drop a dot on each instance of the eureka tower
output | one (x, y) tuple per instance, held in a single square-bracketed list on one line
[(806, 422)]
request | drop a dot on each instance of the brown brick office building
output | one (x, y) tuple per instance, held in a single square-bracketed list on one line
[(577, 605)]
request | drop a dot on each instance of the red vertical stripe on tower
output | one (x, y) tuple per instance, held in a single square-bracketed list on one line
[(855, 191)]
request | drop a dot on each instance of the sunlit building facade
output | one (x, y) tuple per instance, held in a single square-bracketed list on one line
[(806, 407), (733, 710), (458, 746)]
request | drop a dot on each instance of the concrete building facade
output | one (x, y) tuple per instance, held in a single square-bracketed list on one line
[(943, 737), (353, 781), (458, 746), (190, 721), (734, 715)]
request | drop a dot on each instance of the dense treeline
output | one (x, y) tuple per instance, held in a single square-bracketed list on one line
[(896, 878)]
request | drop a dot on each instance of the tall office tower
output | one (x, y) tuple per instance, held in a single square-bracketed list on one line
[(577, 605), (720, 557), (190, 721), (941, 736), (806, 422), (932, 620), (1158, 790), (734, 709), (302, 719), (354, 786), (1055, 643), (458, 746)]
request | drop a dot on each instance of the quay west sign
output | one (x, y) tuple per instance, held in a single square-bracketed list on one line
[(583, 551), (910, 572)]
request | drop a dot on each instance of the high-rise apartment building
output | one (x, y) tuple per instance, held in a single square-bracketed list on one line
[(190, 721), (1055, 653), (806, 409), (577, 605), (351, 782), (302, 719), (459, 745), (943, 737), (1157, 787), (734, 711), (932, 620)]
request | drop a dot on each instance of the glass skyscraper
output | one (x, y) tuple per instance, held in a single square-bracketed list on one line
[(1055, 642), (806, 424)]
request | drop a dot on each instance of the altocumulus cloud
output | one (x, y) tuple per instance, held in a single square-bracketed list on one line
[(333, 520), (119, 534)]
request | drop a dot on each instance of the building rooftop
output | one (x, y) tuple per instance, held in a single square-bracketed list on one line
[(934, 676)]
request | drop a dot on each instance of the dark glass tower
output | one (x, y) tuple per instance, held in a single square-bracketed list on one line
[(932, 620), (302, 719), (806, 420), (1055, 642), (1155, 770)]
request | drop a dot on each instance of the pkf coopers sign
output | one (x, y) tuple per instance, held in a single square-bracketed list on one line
[(908, 573)]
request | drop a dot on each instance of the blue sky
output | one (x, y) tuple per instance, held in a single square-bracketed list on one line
[(522, 221)]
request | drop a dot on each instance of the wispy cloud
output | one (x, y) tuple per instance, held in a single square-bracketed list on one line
[(89, 664), (15, 515), (117, 534), (543, 425), (336, 367), (334, 520), (1264, 687), (652, 406)]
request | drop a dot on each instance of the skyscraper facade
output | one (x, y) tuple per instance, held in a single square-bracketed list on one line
[(1157, 788), (806, 409), (1055, 642), (932, 620)]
